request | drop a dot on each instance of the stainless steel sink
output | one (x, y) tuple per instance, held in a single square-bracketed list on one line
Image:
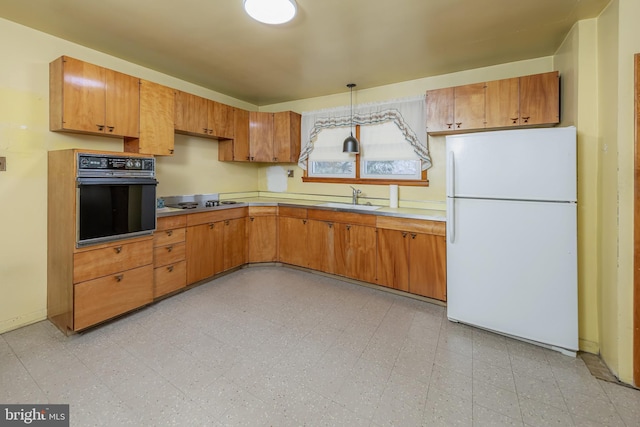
[(348, 206)]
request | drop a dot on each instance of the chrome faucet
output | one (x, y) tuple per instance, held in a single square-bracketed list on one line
[(354, 197)]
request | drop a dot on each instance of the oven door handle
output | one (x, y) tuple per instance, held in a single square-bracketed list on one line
[(116, 181)]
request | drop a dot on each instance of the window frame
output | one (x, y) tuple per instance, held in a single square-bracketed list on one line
[(422, 182)]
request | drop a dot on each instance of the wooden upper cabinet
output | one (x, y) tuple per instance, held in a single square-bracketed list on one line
[(540, 99), (469, 106), (156, 121), (503, 103), (221, 120), (199, 116), (87, 98), (261, 136), (191, 114), (286, 136), (440, 104), (520, 101), (236, 149)]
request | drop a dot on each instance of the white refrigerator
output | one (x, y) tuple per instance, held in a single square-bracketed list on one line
[(512, 234)]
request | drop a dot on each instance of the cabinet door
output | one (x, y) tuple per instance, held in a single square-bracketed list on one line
[(540, 99), (469, 106), (502, 101), (440, 104), (156, 121), (221, 120), (235, 243), (320, 246), (84, 96), (262, 239), (286, 136), (261, 136), (203, 251), (360, 252), (292, 241), (122, 104), (191, 114), (393, 259), (241, 136), (428, 266)]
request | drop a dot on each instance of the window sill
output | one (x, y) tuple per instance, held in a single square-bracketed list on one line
[(406, 183)]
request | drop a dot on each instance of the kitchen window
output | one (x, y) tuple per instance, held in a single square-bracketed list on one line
[(390, 151)]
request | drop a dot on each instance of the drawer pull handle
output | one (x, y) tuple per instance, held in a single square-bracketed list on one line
[(348, 227), (118, 249), (404, 234), (170, 268), (119, 277), (226, 222), (169, 233), (251, 218), (413, 235), (330, 224), (304, 221), (211, 226), (169, 248)]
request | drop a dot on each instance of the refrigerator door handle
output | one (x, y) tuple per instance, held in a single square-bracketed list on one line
[(450, 197)]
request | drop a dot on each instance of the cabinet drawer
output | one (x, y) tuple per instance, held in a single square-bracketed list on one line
[(215, 216), (169, 278), (101, 299), (168, 222), (292, 212), (343, 217), (101, 262), (412, 225), (263, 210), (168, 254), (168, 237)]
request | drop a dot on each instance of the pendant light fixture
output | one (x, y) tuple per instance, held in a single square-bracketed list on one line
[(351, 144), (272, 12)]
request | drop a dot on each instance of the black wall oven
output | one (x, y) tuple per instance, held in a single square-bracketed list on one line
[(116, 197)]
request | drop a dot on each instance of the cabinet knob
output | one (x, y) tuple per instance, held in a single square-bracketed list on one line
[(169, 232), (226, 222), (211, 226), (526, 119), (169, 248), (171, 151), (304, 221), (514, 120), (458, 125), (404, 234), (119, 277), (449, 125), (118, 249), (248, 158), (100, 127), (252, 158), (330, 224), (210, 131), (413, 235), (110, 128), (204, 130), (170, 268), (251, 218), (348, 227)]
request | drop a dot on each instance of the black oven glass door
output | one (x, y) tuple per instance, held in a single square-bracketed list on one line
[(114, 208)]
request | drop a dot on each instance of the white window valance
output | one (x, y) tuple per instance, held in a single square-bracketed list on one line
[(408, 114)]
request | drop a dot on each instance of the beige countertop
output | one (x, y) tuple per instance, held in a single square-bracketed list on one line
[(425, 214)]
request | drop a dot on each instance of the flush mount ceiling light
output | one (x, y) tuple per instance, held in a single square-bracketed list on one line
[(351, 144), (271, 11)]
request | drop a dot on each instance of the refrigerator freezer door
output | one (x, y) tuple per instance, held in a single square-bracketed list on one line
[(524, 164), (512, 269)]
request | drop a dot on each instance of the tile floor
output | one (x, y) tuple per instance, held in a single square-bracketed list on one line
[(273, 346)]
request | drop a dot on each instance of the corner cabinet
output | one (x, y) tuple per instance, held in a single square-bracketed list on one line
[(86, 98), (522, 101), (263, 137), (156, 121)]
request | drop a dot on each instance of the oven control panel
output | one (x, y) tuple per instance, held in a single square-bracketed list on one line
[(114, 165)]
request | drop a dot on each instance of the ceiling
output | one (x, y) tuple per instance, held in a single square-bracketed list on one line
[(330, 43)]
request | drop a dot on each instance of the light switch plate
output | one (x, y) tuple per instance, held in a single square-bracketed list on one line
[(290, 173), (3, 164)]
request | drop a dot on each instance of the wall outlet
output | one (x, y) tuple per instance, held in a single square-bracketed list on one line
[(3, 164), (290, 173)]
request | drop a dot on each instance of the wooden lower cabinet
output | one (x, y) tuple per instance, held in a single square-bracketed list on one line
[(234, 243), (413, 259), (320, 246), (106, 297), (393, 259), (262, 234), (292, 241), (169, 255), (204, 251)]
